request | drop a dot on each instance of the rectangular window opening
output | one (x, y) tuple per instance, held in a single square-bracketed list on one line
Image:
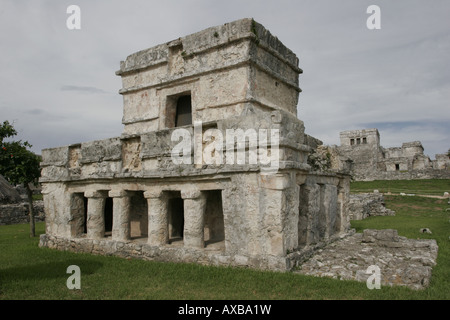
[(183, 115), (178, 110)]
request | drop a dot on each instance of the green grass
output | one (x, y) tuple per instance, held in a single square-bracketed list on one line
[(30, 272), (37, 197), (425, 187), (412, 214)]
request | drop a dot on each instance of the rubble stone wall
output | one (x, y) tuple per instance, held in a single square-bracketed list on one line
[(19, 213), (400, 261), (364, 205)]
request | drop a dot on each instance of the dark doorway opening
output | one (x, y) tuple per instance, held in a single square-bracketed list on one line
[(176, 217), (214, 231), (108, 215), (138, 215), (85, 201)]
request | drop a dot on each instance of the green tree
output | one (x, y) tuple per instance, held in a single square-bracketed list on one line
[(18, 164)]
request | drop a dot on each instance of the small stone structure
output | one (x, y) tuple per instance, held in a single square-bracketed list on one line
[(401, 261), (364, 205), (370, 161), (127, 196), (14, 208)]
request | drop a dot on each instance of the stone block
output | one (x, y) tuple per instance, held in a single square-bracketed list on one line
[(387, 235), (101, 150)]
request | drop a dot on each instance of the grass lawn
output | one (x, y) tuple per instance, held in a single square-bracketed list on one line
[(30, 272)]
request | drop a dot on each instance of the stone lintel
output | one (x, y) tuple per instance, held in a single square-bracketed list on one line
[(275, 181), (153, 194), (301, 178), (118, 193), (96, 194), (191, 193)]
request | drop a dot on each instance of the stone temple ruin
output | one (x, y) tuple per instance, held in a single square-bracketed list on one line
[(371, 161), (126, 196), (163, 192)]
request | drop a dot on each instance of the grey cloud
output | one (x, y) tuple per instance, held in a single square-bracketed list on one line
[(82, 89), (35, 112), (352, 77)]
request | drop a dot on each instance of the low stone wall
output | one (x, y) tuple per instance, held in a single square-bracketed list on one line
[(402, 261), (18, 213), (168, 253), (363, 205)]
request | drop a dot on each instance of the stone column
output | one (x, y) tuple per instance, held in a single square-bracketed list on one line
[(95, 214), (194, 218), (343, 220), (77, 222), (277, 217), (121, 215), (157, 218), (329, 205)]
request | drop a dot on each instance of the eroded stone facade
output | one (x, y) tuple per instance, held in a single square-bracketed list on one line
[(126, 196), (361, 154)]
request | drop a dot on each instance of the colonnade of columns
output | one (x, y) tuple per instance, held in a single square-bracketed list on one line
[(194, 202)]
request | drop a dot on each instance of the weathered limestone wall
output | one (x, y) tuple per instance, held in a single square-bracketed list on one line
[(323, 208), (364, 205), (19, 213), (149, 155), (223, 68), (262, 219), (371, 136), (14, 208), (401, 261), (373, 162), (363, 147), (127, 195), (442, 162), (264, 216)]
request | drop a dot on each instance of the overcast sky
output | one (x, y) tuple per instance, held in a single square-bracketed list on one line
[(59, 86)]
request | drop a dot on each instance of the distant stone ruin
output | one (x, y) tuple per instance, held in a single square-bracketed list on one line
[(361, 155)]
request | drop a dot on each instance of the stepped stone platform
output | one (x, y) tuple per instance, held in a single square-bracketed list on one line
[(402, 261)]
